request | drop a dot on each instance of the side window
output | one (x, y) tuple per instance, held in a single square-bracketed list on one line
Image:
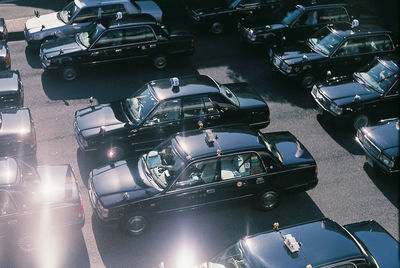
[(109, 39), (7, 206), (139, 35), (309, 18), (87, 14), (167, 111), (240, 165), (198, 173), (378, 43), (351, 47), (193, 107), (332, 15), (111, 10), (210, 108)]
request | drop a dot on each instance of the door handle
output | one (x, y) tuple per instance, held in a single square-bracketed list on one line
[(153, 45), (210, 191), (173, 124), (95, 53), (118, 50), (11, 222), (215, 116)]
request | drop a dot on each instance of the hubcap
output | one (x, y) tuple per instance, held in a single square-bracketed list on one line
[(136, 224), (69, 74), (269, 199), (217, 28), (308, 81), (160, 62)]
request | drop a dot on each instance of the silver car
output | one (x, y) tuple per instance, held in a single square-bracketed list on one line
[(79, 14)]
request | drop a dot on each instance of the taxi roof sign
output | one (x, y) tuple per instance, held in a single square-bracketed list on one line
[(174, 82)]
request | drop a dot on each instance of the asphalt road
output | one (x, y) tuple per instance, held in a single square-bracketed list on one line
[(348, 190)]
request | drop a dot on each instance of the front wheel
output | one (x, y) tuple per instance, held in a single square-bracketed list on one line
[(160, 62), (308, 81), (216, 27), (268, 200), (135, 224), (69, 72)]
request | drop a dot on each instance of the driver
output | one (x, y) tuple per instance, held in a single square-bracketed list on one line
[(167, 158)]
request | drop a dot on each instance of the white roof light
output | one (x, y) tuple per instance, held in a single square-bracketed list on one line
[(291, 243)]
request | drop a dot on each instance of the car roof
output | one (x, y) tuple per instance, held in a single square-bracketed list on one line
[(130, 19), (228, 139), (322, 242), (188, 86), (345, 30), (312, 7), (87, 3), (8, 81)]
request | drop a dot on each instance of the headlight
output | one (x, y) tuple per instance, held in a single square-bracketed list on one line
[(196, 17), (286, 68), (386, 160), (82, 140), (103, 211), (336, 109), (250, 34), (46, 61)]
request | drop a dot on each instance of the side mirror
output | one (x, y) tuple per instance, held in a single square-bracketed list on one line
[(37, 13)]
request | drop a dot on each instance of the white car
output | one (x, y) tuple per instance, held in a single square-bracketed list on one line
[(79, 14)]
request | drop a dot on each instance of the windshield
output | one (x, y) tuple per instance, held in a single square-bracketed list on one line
[(68, 12), (232, 3), (88, 38), (232, 257), (140, 105), (164, 163), (228, 94), (324, 41), (379, 78), (271, 147), (291, 16)]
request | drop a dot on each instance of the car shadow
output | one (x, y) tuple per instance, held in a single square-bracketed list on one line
[(198, 234), (87, 161), (343, 134), (32, 58), (387, 183)]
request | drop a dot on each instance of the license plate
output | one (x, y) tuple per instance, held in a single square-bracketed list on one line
[(369, 161)]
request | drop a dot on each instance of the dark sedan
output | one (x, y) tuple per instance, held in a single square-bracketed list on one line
[(342, 49), (11, 89), (199, 168), (5, 61), (163, 107), (321, 243), (381, 145), (17, 133), (35, 201), (369, 95), (3, 30)]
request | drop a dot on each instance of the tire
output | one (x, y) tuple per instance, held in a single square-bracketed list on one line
[(134, 224), (360, 121), (26, 244), (69, 72), (160, 62), (308, 81), (216, 27), (268, 200)]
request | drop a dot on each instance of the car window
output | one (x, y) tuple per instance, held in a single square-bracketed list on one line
[(249, 2), (87, 14), (378, 43), (330, 15), (111, 10), (199, 173), (351, 47), (242, 165), (110, 39), (139, 35), (309, 18), (7, 206), (210, 108), (166, 112), (195, 107)]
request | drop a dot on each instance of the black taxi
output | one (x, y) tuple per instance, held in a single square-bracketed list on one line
[(129, 38), (198, 168), (163, 107), (342, 49), (35, 201), (3, 30), (17, 133), (369, 95), (381, 144), (11, 89), (319, 243), (297, 25)]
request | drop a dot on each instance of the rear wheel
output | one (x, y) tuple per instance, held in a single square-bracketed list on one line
[(268, 200), (308, 81), (134, 224), (216, 27), (69, 72), (160, 62)]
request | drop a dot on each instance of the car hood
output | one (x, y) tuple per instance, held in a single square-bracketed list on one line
[(104, 115), (112, 182), (14, 122), (248, 98), (296, 56), (385, 136), (378, 242), (343, 91), (150, 7), (53, 47), (50, 21), (291, 150)]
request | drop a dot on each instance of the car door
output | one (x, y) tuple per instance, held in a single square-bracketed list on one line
[(198, 111), (8, 219), (107, 48), (139, 42), (164, 121)]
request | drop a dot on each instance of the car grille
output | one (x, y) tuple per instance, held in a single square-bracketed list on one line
[(371, 148)]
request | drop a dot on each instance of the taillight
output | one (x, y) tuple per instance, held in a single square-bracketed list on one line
[(192, 41), (316, 171), (80, 209), (3, 36), (7, 60)]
